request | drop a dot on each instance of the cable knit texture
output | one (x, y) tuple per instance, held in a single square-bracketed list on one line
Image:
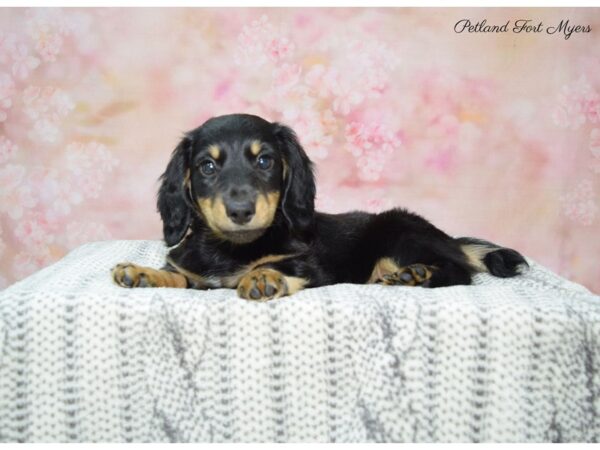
[(503, 360)]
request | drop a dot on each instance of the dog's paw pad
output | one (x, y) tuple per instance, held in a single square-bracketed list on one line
[(130, 276), (262, 285), (412, 275)]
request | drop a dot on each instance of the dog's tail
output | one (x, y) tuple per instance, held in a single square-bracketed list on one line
[(485, 256)]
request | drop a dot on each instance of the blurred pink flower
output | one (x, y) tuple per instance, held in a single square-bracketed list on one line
[(80, 26), (442, 159), (88, 165), (45, 27), (357, 70), (372, 146), (595, 150), (279, 48), (324, 200), (44, 130), (222, 88), (78, 233), (30, 260), (48, 45), (2, 245), (23, 62), (286, 77), (593, 109), (346, 99), (33, 230), (579, 205), (29, 95), (46, 102), (378, 203), (259, 43), (314, 128), (328, 82), (15, 195), (595, 142), (322, 80), (46, 107), (82, 157), (62, 104), (47, 20), (8, 46), (577, 102), (7, 89), (56, 193), (7, 149)]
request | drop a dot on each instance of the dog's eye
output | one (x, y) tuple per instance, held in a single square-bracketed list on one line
[(208, 167), (264, 162)]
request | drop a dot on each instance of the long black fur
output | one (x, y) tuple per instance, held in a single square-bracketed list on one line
[(324, 248)]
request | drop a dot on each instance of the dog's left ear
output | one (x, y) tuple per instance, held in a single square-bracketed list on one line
[(173, 203), (298, 200)]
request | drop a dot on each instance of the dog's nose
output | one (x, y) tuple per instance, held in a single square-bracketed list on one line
[(240, 212)]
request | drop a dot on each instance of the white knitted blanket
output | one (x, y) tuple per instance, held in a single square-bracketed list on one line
[(504, 360)]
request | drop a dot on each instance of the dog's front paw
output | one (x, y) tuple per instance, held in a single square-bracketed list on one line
[(129, 276), (262, 285)]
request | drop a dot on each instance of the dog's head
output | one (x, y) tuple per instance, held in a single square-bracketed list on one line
[(238, 173)]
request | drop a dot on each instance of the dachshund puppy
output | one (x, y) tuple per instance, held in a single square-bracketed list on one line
[(237, 205)]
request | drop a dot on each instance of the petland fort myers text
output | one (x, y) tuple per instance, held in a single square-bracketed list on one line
[(521, 26)]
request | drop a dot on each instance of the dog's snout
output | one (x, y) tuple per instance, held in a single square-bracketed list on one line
[(239, 192), (240, 212)]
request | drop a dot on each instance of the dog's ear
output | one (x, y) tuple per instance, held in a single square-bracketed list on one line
[(173, 202), (298, 200)]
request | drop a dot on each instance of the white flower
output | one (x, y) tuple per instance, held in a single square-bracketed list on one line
[(7, 149), (595, 142), (7, 89), (15, 195), (23, 62), (45, 130)]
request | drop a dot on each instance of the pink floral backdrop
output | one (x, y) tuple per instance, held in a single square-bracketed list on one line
[(489, 135)]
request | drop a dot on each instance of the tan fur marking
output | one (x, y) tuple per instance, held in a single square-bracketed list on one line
[(387, 271), (295, 284), (265, 208), (199, 280), (217, 220), (255, 147), (229, 281), (131, 275), (215, 214), (233, 280), (266, 260), (383, 266), (214, 151), (264, 284), (475, 254), (285, 169)]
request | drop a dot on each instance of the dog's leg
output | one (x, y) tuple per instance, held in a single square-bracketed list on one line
[(280, 276), (486, 256), (442, 273), (131, 275), (387, 271), (265, 284)]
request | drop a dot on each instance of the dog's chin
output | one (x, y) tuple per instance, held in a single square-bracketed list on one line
[(243, 236)]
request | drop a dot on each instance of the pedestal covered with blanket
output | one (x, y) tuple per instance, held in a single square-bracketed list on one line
[(503, 360)]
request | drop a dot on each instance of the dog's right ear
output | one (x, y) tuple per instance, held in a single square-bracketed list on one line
[(173, 202)]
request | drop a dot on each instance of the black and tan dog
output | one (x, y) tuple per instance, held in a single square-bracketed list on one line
[(237, 205)]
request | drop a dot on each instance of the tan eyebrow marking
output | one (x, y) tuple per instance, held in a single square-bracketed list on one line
[(255, 147), (214, 151)]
